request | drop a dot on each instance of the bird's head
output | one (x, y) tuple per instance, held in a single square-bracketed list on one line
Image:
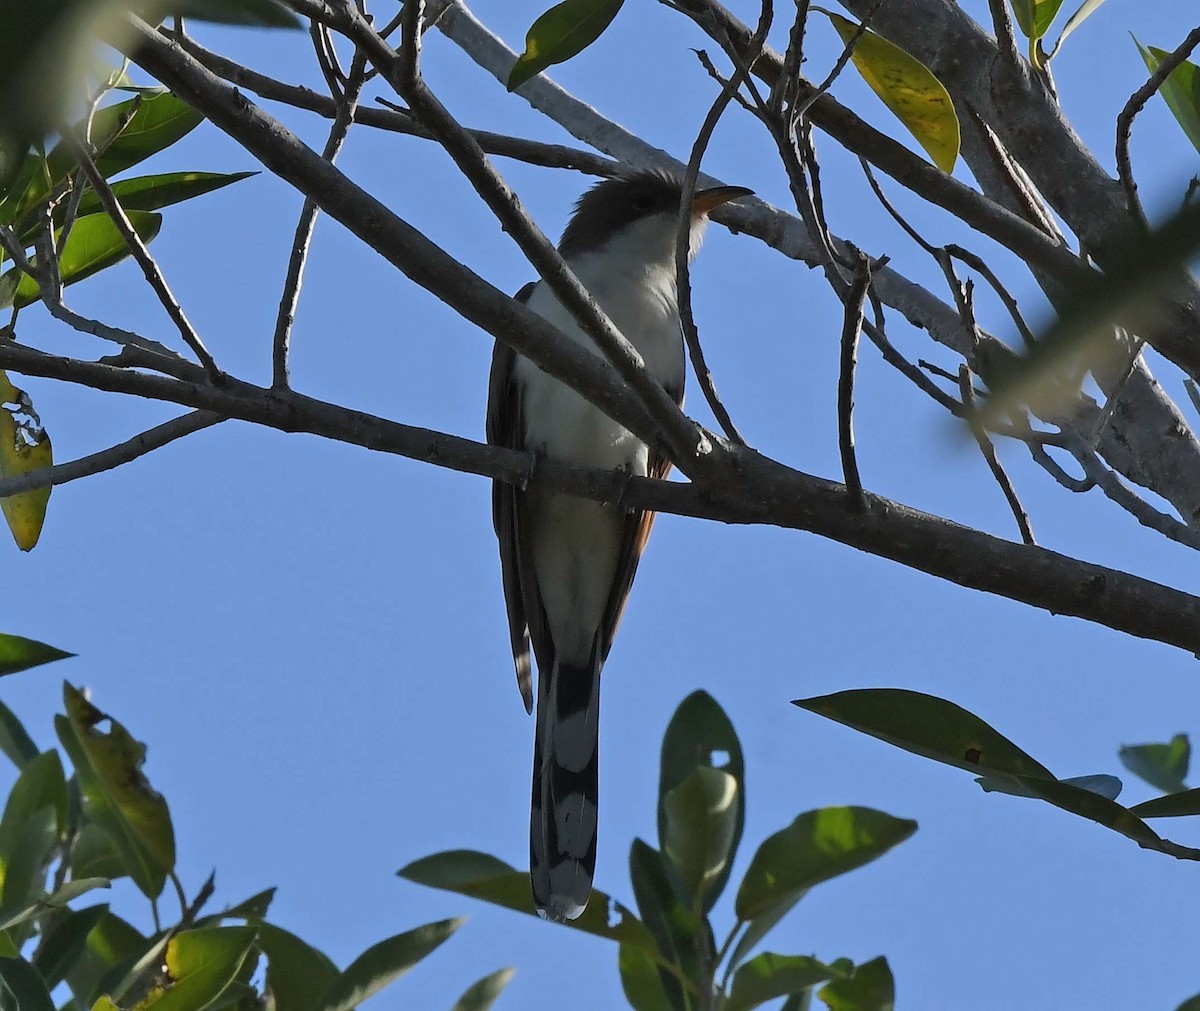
[(637, 216)]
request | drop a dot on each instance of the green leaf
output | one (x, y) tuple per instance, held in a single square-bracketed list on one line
[(945, 732), (253, 908), (817, 846), (641, 981), (908, 88), (22, 986), (1191, 1004), (702, 815), (250, 13), (758, 927), (1108, 787), (151, 193), (297, 973), (482, 994), (1173, 805), (674, 929), (200, 964), (119, 797), (469, 872), (1181, 90), (18, 654), (1161, 765), (25, 858), (93, 245), (111, 942), (41, 784), (95, 855), (768, 976), (15, 742), (926, 726), (384, 962), (701, 736), (1085, 11), (562, 32), (1036, 16), (869, 989), (65, 942)]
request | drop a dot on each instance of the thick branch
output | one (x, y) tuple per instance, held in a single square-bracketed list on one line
[(761, 492)]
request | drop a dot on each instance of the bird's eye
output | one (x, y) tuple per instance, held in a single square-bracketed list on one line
[(643, 202)]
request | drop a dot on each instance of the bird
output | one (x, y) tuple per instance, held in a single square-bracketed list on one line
[(568, 563)]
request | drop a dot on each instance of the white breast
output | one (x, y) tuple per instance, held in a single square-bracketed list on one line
[(641, 301)]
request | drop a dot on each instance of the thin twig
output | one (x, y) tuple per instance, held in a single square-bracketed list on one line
[(302, 239), (800, 111), (851, 326), (683, 235), (1135, 105), (1006, 41), (141, 254), (111, 458), (1114, 395), (993, 461)]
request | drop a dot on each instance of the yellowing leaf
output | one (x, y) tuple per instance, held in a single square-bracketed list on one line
[(908, 88), (24, 447), (119, 798)]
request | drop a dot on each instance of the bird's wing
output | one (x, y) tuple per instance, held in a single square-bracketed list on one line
[(505, 427), (633, 543)]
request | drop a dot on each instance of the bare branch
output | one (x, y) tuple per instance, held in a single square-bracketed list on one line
[(993, 461), (855, 299), (289, 299), (1136, 103), (684, 233), (109, 459), (757, 490), (154, 276)]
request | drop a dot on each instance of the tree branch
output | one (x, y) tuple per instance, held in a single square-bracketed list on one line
[(759, 491)]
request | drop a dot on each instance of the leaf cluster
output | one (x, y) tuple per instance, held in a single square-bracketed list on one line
[(668, 955)]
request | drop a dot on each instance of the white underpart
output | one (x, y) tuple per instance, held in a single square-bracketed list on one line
[(576, 542)]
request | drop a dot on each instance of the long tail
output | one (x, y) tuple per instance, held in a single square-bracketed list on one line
[(562, 824)]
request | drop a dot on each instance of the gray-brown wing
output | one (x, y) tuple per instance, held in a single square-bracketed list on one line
[(636, 533), (505, 427)]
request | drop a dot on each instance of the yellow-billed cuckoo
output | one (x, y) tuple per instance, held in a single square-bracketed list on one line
[(567, 562)]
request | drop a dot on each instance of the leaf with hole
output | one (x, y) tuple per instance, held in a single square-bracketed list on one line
[(119, 798), (701, 736), (908, 88), (200, 964), (24, 448), (565, 30)]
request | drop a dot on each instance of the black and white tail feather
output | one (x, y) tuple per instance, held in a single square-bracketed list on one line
[(562, 818)]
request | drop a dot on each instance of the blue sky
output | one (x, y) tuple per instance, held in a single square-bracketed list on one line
[(310, 637)]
